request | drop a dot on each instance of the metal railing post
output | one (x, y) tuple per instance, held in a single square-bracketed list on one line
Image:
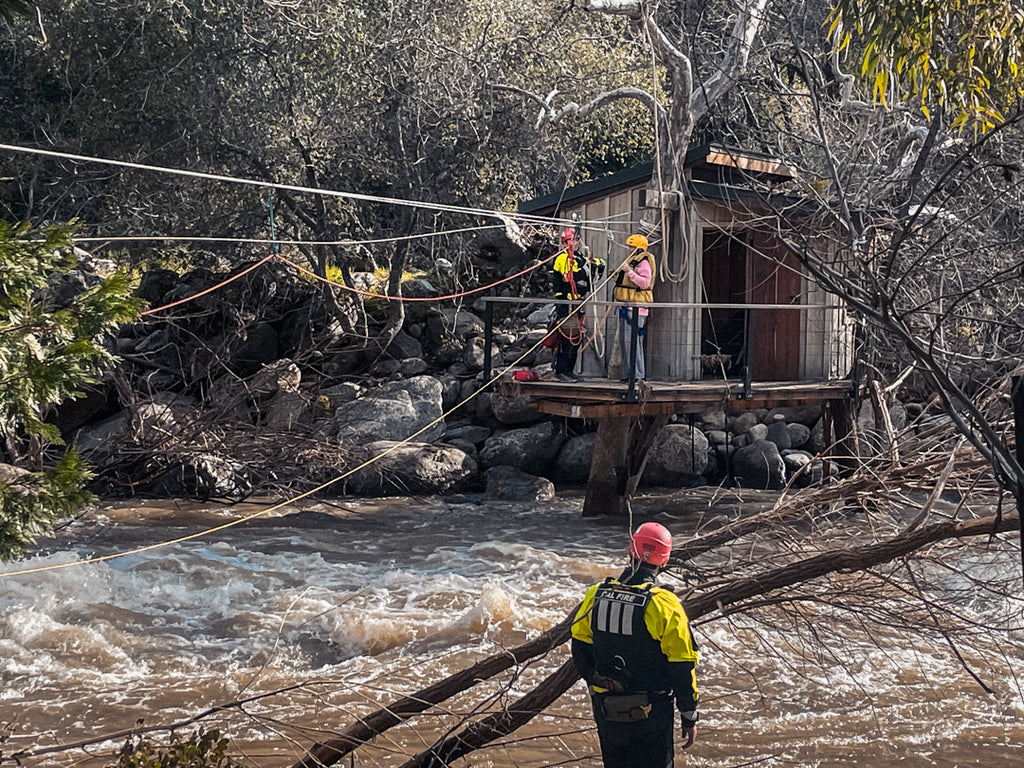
[(488, 331), (748, 343), (634, 334)]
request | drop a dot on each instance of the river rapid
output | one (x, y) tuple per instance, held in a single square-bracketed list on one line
[(352, 605)]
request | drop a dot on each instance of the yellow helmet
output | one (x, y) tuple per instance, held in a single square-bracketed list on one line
[(637, 241)]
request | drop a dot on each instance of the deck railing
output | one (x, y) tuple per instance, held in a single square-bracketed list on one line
[(689, 341)]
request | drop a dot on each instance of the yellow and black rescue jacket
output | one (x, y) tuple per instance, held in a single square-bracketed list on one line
[(636, 637)]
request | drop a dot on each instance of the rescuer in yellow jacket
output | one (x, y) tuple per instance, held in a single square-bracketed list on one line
[(573, 269), (632, 644)]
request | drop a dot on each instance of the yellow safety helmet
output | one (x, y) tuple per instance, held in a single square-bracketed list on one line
[(637, 241)]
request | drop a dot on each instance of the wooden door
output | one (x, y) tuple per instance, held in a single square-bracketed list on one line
[(773, 277)]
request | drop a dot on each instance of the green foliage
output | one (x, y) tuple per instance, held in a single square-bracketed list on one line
[(963, 56), (48, 352), (32, 502), (203, 749), (50, 346)]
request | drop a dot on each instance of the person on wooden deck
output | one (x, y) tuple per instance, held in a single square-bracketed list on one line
[(633, 284), (632, 645), (573, 271)]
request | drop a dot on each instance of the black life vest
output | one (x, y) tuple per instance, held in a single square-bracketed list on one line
[(624, 650)]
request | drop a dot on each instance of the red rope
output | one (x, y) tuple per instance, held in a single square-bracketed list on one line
[(212, 288)]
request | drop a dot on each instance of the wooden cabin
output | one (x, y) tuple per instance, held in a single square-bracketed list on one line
[(739, 303), (737, 322)]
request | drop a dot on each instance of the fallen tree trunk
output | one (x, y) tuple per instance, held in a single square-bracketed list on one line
[(330, 752), (517, 714), (500, 723)]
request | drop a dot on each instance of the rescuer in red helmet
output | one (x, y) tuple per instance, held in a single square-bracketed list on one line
[(572, 272), (632, 644)]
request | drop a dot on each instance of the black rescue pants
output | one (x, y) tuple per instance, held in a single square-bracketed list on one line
[(644, 744), (569, 338)]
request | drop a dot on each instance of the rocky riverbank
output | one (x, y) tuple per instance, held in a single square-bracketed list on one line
[(260, 386)]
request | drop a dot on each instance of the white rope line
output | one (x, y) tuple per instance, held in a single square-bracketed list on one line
[(289, 187), (277, 241)]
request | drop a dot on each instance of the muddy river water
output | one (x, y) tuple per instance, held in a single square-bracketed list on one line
[(351, 605)]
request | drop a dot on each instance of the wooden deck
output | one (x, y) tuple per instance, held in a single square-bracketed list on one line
[(602, 398)]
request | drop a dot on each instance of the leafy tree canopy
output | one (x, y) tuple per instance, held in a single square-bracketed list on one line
[(961, 56)]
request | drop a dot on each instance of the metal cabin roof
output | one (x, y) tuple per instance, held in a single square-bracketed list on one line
[(704, 161)]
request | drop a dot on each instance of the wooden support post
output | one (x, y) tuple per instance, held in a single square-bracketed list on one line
[(846, 436), (609, 452), (620, 455)]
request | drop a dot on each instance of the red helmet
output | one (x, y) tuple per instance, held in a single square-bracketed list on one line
[(652, 543), (568, 235)]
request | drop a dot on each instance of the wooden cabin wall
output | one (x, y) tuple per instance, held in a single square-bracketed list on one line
[(832, 358), (673, 344)]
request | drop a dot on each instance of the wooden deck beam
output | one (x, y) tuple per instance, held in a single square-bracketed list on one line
[(626, 429), (604, 398)]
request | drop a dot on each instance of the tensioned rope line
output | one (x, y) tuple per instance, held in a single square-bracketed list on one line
[(298, 497), (312, 274), (276, 185), (278, 241)]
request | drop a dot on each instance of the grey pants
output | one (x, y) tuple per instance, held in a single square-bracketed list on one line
[(625, 336)]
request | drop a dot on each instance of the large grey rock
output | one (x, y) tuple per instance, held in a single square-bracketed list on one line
[(572, 465), (743, 422), (394, 411), (759, 465), (451, 392), (413, 366), (288, 410), (419, 288), (103, 434), (799, 435), (795, 461), (343, 393), (717, 436), (677, 458), (713, 419), (778, 433), (540, 317), (146, 423), (510, 484), (531, 449), (796, 414), (456, 324), (405, 468), (473, 433), (466, 447), (472, 354), (404, 345), (758, 432), (234, 397), (514, 409)]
